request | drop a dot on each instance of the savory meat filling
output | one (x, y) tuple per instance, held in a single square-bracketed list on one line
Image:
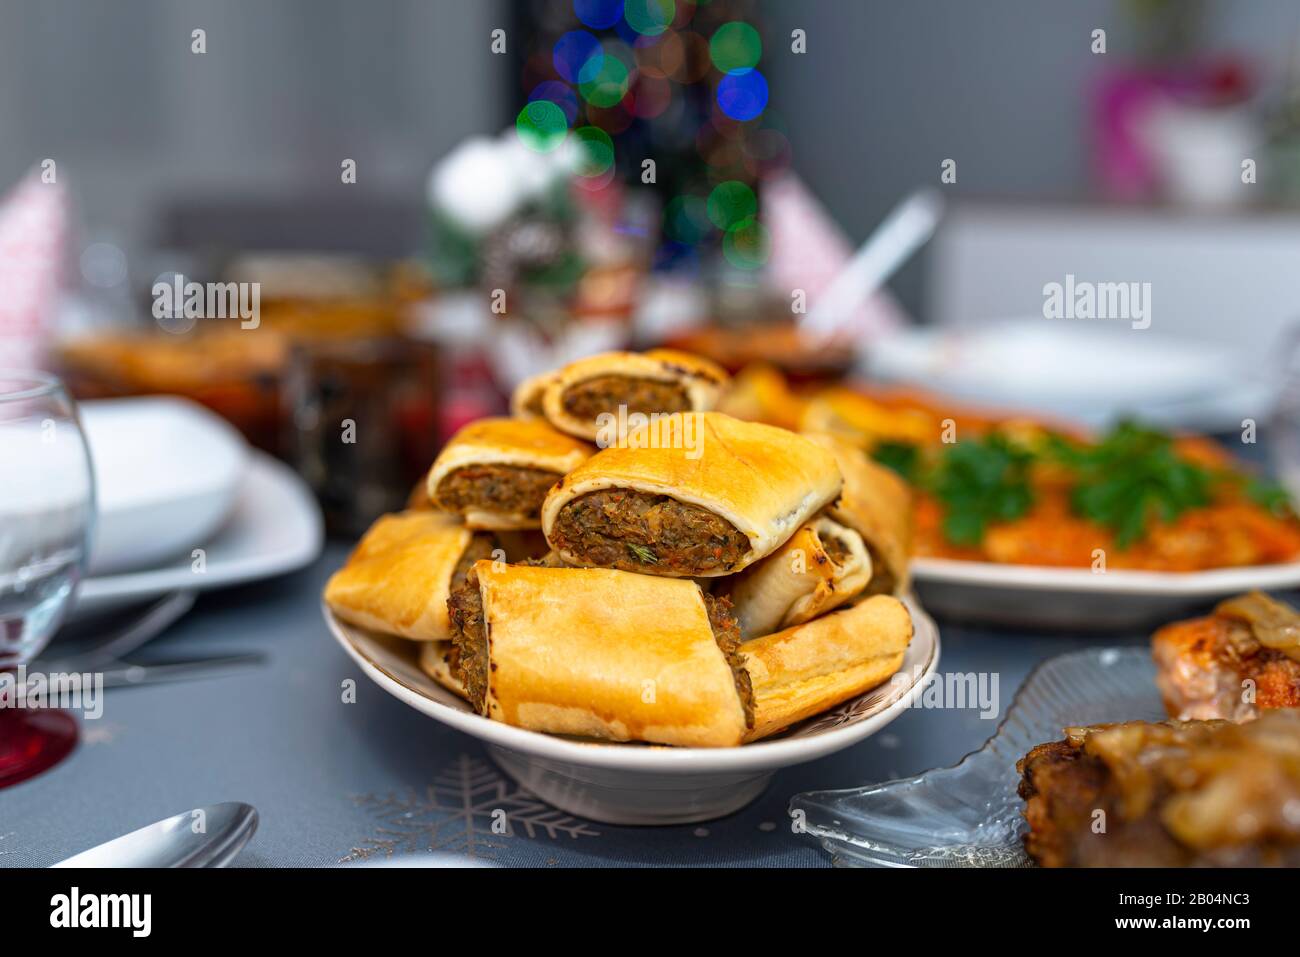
[(480, 546), (507, 489), (645, 532), (469, 647), (605, 393), (726, 632), (836, 548)]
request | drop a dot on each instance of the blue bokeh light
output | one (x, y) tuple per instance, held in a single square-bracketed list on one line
[(561, 94), (572, 51), (598, 14), (742, 96)]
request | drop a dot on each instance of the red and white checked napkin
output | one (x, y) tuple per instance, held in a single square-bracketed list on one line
[(33, 231), (808, 249)]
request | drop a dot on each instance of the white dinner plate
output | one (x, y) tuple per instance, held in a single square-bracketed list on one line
[(1086, 372), (167, 471), (1078, 598), (274, 527), (636, 783)]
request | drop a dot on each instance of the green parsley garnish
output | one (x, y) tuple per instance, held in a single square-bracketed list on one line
[(1132, 477), (980, 482), (644, 555), (903, 457)]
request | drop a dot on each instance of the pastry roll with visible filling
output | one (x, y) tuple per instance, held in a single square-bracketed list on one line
[(661, 380), (526, 400), (611, 655), (823, 565), (495, 472), (399, 576), (436, 658), (877, 504), (805, 670), (599, 653), (698, 494)]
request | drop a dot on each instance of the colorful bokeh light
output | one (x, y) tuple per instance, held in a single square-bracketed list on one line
[(597, 150), (603, 80), (598, 14), (541, 126), (686, 220), (561, 94), (735, 47), (747, 244), (649, 17), (730, 203), (572, 52), (742, 96)]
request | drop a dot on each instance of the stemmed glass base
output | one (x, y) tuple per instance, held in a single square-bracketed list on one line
[(32, 741)]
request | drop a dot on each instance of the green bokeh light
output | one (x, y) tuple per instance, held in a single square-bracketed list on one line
[(735, 47), (603, 80), (597, 153), (747, 244), (649, 17), (686, 220), (541, 126), (731, 202)]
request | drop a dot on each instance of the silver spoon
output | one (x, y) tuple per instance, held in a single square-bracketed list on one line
[(207, 837)]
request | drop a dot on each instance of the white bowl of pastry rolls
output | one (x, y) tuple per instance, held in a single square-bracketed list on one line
[(642, 607)]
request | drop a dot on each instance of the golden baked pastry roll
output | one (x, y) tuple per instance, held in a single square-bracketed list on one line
[(599, 653), (807, 669), (877, 504), (823, 565), (495, 472), (526, 400), (696, 494), (398, 577), (436, 661), (585, 397)]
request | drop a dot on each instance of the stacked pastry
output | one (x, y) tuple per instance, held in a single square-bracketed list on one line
[(618, 561)]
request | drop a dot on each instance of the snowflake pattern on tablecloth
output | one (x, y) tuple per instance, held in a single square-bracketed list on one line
[(3, 838), (469, 809)]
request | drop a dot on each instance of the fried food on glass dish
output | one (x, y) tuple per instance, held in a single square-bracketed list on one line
[(1168, 794), (1232, 664)]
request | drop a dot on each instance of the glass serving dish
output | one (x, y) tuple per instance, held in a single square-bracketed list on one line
[(969, 815)]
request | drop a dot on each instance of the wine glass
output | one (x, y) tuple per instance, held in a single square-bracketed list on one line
[(47, 505)]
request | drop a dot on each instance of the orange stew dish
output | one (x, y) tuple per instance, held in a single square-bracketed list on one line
[(1010, 489)]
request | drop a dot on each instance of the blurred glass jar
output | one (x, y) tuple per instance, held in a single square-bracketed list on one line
[(363, 424)]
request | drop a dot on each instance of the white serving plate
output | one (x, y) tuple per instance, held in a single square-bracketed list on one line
[(1078, 598), (633, 783), (1090, 372), (167, 471), (274, 527)]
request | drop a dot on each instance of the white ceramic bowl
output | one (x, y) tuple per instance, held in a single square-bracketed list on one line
[(641, 784), (167, 472)]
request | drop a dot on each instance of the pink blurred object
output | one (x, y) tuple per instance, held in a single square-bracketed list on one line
[(1124, 98), (33, 231), (808, 249)]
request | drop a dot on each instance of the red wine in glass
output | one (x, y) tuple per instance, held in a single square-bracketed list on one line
[(46, 513)]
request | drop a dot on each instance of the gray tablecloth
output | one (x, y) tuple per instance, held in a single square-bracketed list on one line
[(337, 784)]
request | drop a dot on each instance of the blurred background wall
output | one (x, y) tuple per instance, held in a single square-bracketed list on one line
[(148, 132)]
